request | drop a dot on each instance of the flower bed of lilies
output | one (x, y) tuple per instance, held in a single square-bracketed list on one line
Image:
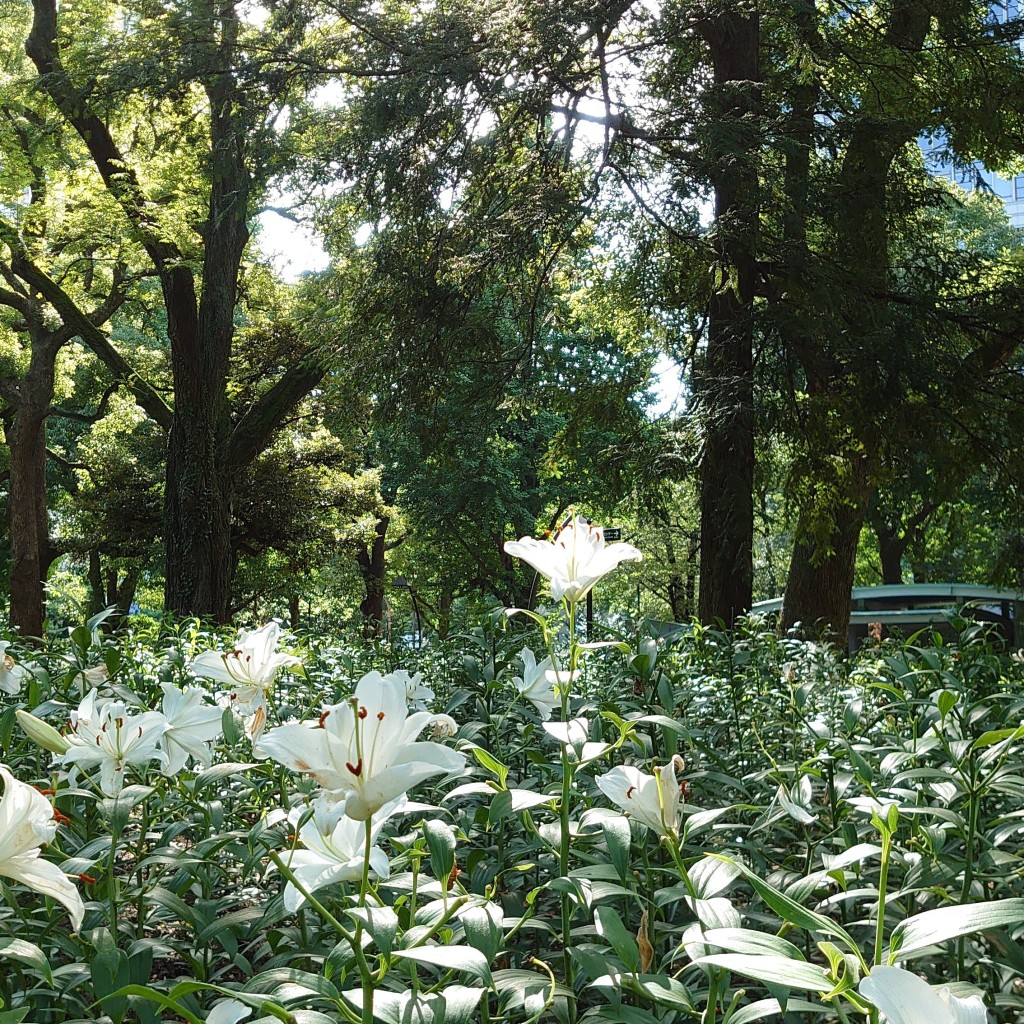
[(517, 826)]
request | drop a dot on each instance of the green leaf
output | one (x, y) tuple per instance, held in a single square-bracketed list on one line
[(610, 926), (672, 724), (441, 843), (81, 637), (298, 981), (993, 736), (791, 911), (219, 772), (774, 970), (712, 875), (660, 989), (483, 928), (743, 940), (618, 838), (229, 726), (492, 764), (946, 702), (456, 1004), (381, 923), (854, 855), (770, 1007), (934, 926), (109, 970), (451, 958), (27, 953)]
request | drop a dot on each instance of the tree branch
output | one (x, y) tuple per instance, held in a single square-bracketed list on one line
[(87, 417), (90, 334), (253, 431)]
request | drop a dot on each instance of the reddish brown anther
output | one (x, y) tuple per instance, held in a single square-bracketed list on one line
[(355, 769), (362, 712)]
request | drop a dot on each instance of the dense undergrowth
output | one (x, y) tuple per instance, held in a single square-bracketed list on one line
[(796, 793)]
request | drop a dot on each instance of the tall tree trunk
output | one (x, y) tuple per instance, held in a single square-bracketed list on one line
[(818, 590), (199, 482), (725, 388), (890, 550), (111, 589), (371, 561), (27, 516)]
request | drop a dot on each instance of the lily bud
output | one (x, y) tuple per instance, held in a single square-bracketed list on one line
[(42, 733)]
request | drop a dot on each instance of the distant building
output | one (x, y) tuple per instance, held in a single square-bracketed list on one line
[(974, 177)]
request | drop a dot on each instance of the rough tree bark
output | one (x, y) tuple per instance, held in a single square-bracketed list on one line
[(26, 502), (725, 388), (371, 562)]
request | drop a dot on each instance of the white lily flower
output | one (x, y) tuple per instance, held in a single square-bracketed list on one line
[(652, 799), (91, 677), (26, 822), (249, 669), (442, 727), (363, 752), (573, 733), (535, 685), (12, 675), (106, 735), (192, 727), (336, 855), (904, 998), (417, 693), (575, 559)]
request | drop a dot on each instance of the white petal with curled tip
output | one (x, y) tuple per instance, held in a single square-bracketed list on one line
[(652, 799), (965, 1011), (213, 665), (192, 727), (904, 998), (573, 733), (228, 1011), (535, 685), (12, 675), (48, 879), (26, 822), (541, 555)]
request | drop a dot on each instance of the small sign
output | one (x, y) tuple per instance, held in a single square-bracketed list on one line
[(613, 533)]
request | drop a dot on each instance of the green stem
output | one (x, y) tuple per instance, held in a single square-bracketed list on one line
[(354, 940), (364, 884), (883, 878)]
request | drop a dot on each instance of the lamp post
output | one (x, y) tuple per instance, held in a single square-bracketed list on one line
[(401, 583)]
